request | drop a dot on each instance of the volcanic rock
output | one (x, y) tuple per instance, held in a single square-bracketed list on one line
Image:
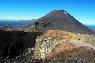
[(60, 20)]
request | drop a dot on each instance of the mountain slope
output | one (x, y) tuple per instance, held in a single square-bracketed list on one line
[(61, 20), (66, 47)]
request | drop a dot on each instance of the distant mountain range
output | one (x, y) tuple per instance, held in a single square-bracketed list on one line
[(23, 22), (15, 23), (91, 27)]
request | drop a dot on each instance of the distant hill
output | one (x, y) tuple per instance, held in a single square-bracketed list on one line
[(91, 27), (15, 23)]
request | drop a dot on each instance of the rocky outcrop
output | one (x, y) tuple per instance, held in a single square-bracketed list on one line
[(50, 40), (56, 44)]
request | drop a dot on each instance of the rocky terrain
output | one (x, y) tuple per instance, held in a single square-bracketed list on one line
[(56, 45), (56, 37)]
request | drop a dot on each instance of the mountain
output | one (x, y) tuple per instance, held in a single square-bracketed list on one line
[(55, 37), (64, 39), (60, 20)]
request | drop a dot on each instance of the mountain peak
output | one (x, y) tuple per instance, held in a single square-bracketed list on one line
[(58, 12), (61, 20)]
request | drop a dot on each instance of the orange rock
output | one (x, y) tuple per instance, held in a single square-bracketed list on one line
[(57, 12), (63, 52)]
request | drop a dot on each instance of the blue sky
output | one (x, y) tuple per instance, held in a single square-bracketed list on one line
[(82, 10)]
